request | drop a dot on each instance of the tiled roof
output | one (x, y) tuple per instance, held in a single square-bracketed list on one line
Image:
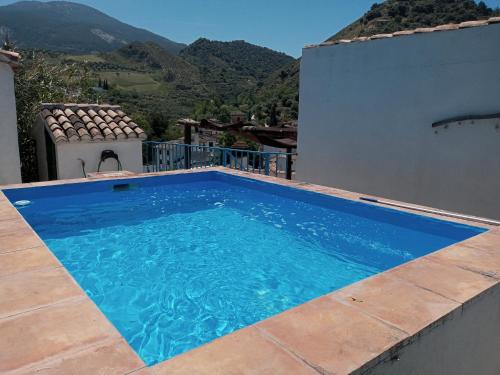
[(89, 123), (422, 30), (9, 57)]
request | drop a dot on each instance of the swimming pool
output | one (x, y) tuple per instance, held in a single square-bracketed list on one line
[(176, 261)]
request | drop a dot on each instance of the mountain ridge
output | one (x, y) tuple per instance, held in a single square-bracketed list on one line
[(397, 15), (69, 27), (233, 63)]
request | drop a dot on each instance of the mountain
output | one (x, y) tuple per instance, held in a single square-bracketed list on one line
[(72, 28), (145, 78), (395, 15), (231, 68), (150, 55)]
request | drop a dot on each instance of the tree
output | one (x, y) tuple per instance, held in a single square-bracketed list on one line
[(483, 9), (226, 140), (37, 82), (7, 45), (212, 109), (273, 116), (159, 123)]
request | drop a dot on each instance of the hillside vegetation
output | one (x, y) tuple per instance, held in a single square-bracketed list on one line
[(396, 15), (71, 28), (231, 68), (208, 78)]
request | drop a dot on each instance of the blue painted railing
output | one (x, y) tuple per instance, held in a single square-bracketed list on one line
[(165, 156)]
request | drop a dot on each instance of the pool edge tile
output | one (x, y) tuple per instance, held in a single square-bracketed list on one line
[(26, 260), (60, 329), (484, 260), (335, 338), (393, 300), (445, 279), (246, 351), (109, 357), (31, 290)]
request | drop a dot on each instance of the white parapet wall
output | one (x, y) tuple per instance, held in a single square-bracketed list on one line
[(10, 166), (367, 109)]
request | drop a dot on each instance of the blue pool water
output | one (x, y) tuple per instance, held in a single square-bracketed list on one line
[(177, 261)]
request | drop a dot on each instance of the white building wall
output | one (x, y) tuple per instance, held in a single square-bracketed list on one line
[(10, 165), (67, 155), (466, 342), (366, 111)]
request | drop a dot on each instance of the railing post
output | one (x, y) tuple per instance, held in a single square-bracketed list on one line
[(288, 163), (266, 164), (187, 147), (157, 155)]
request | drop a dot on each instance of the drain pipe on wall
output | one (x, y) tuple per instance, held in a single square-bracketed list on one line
[(432, 211)]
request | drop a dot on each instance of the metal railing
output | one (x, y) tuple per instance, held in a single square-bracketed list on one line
[(164, 156)]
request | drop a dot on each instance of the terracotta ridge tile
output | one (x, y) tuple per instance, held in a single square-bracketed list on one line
[(438, 28)]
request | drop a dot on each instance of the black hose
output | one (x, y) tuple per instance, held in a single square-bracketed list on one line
[(83, 167)]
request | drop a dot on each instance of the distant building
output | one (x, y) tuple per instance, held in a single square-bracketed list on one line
[(10, 165), (75, 139), (206, 137), (413, 116)]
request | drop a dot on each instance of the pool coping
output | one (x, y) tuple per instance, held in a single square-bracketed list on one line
[(48, 324)]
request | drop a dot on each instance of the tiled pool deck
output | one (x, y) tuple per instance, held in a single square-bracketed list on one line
[(49, 326)]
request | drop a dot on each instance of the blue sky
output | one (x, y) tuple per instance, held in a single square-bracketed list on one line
[(283, 25)]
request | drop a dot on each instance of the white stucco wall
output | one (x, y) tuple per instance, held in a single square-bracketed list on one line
[(41, 152), (366, 111), (68, 165), (467, 342), (10, 165)]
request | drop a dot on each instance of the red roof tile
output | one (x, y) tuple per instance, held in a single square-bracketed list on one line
[(89, 122), (10, 57)]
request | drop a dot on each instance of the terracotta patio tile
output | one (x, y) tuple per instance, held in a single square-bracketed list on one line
[(142, 371), (243, 352), (485, 261), (7, 212), (18, 240), (444, 279), (495, 231), (488, 241), (396, 302), (29, 290), (40, 334), (334, 337), (112, 357), (12, 225), (27, 260)]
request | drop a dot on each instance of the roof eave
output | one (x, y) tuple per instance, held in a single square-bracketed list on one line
[(10, 58)]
